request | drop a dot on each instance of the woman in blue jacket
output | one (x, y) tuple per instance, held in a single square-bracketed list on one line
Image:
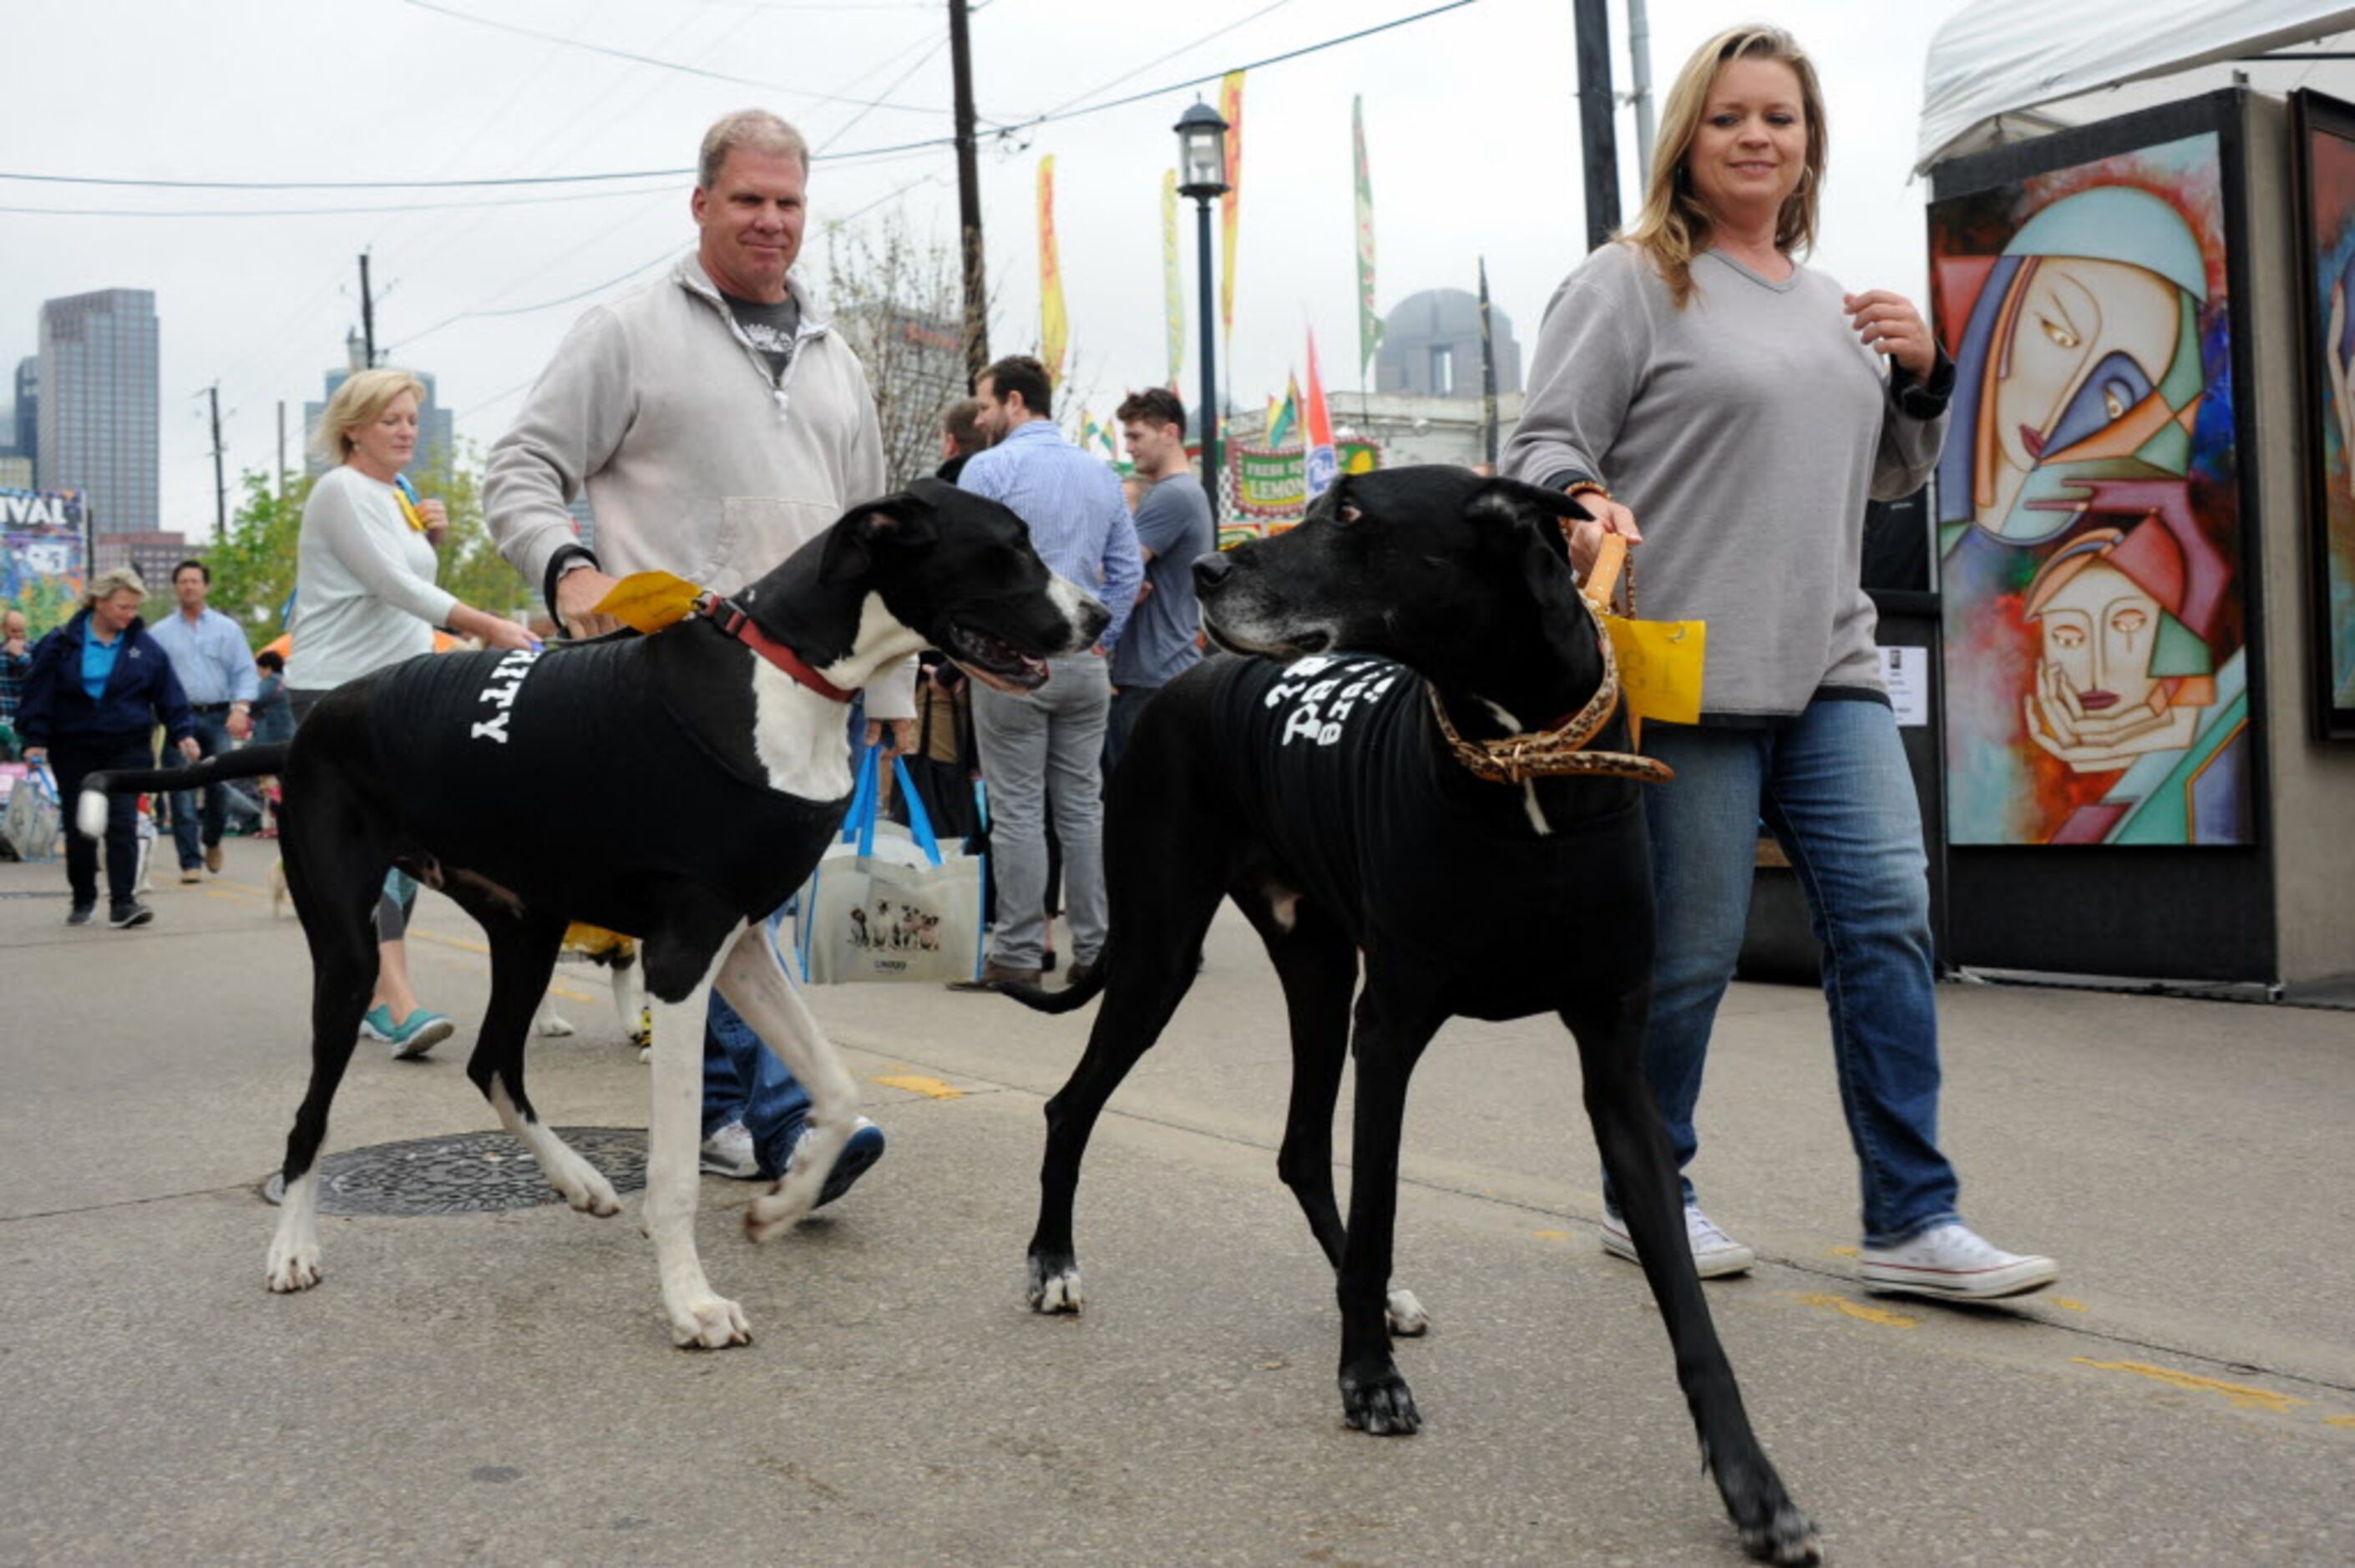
[(98, 688)]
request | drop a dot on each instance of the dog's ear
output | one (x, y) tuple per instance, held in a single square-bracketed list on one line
[(1509, 505), (902, 521)]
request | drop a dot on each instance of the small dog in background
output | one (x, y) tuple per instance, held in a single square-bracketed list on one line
[(618, 955)]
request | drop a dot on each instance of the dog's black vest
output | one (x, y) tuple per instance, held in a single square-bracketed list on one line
[(1347, 779), (490, 729)]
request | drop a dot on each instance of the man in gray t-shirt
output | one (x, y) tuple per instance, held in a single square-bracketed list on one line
[(1173, 529)]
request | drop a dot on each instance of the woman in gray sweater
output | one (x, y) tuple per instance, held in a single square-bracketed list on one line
[(1695, 374)]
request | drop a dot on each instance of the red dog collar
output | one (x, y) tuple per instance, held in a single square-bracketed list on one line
[(731, 619)]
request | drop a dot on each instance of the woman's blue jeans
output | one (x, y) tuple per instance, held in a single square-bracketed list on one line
[(1834, 789)]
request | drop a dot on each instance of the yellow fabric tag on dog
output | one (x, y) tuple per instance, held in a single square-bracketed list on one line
[(648, 601), (1660, 664)]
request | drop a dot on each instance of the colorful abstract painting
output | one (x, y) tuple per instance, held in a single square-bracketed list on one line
[(2089, 504), (2326, 134)]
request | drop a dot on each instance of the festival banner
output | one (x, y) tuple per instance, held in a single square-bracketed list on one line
[(44, 565), (1173, 301), (1054, 326), (1272, 486), (1231, 110), (1369, 325), (1283, 419), (1323, 467)]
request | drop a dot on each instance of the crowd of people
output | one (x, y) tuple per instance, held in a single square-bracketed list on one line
[(1695, 371)]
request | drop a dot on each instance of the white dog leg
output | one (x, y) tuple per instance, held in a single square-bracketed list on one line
[(754, 982), (294, 1250), (546, 1020), (697, 1317), (582, 1184)]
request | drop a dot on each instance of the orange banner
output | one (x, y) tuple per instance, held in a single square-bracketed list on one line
[(1054, 325), (1231, 110)]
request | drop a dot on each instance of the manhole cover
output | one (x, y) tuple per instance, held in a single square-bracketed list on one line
[(471, 1174)]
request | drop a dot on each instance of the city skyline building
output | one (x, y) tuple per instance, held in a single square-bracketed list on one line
[(96, 416), (25, 425), (1431, 347)]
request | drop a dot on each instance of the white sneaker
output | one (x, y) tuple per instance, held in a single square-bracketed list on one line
[(1953, 1260), (729, 1152), (1713, 1252)]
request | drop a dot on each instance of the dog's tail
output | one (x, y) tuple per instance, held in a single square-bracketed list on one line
[(246, 762), (1072, 997)]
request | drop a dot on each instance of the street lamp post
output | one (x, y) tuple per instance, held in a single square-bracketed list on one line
[(1202, 174)]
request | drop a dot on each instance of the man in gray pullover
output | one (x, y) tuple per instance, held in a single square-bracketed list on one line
[(717, 422)]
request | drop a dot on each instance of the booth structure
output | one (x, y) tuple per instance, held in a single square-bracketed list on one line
[(2144, 522)]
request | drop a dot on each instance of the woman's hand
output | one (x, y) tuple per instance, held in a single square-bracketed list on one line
[(1890, 325), (1604, 516), (36, 753), (436, 518), (490, 630), (191, 750)]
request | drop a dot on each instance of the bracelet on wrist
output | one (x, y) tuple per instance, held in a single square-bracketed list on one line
[(1589, 487)]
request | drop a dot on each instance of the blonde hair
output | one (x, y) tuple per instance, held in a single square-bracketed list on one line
[(360, 400), (106, 585), (754, 129), (1673, 227)]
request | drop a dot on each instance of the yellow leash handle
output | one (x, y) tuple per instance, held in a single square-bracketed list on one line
[(1602, 576)]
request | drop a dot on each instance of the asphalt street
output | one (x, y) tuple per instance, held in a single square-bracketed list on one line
[(499, 1387)]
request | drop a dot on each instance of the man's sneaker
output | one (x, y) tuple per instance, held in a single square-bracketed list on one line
[(80, 913), (1954, 1261), (729, 1152), (1713, 1252), (125, 912), (412, 1036), (213, 858), (865, 1147), (189, 874)]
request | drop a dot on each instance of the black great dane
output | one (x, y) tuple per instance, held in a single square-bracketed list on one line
[(673, 788), (1433, 729)]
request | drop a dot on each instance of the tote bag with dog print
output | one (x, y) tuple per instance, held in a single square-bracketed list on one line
[(883, 908)]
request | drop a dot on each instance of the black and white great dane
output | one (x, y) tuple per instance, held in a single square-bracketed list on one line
[(1349, 792), (675, 787)]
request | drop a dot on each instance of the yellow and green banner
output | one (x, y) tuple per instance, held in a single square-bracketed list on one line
[(1369, 325), (1231, 110), (1054, 325), (1173, 303)]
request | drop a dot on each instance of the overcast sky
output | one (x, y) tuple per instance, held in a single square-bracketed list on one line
[(1470, 117)]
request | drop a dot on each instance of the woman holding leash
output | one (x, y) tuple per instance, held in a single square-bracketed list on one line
[(98, 688), (1696, 375), (364, 598)]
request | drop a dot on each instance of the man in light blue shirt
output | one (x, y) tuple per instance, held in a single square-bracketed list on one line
[(1047, 746), (210, 655)]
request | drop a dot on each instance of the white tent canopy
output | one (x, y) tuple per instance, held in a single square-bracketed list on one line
[(2005, 68)]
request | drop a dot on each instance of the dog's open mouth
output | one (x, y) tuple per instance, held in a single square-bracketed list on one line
[(993, 661), (1289, 645)]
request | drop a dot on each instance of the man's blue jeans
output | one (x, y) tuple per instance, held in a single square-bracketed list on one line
[(1834, 789), (212, 733)]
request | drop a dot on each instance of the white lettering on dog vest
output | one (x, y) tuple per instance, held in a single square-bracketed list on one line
[(506, 680), (1323, 706)]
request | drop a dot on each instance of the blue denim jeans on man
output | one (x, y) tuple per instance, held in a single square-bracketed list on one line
[(1833, 787), (212, 733)]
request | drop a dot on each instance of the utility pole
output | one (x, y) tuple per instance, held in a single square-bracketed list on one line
[(1596, 111), (977, 291), (220, 484), (1639, 90), (368, 300)]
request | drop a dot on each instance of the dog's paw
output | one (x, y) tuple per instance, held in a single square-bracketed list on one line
[(646, 1052), (291, 1268), (775, 1209), (1379, 1403), (1407, 1319), (708, 1322), (592, 1193), (1055, 1289), (1788, 1538), (553, 1027)]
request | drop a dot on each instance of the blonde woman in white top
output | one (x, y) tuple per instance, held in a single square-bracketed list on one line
[(364, 598)]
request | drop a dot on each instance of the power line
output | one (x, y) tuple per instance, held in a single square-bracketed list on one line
[(1173, 54), (323, 211), (883, 152), (668, 65)]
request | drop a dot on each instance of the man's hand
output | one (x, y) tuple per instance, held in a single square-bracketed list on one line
[(901, 733), (36, 753), (191, 750), (579, 592), (240, 723)]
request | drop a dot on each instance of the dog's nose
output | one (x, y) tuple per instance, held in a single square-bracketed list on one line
[(1210, 571)]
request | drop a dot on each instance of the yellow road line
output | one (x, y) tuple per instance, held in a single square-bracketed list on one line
[(917, 1084), (2239, 1393), (1857, 1310), (1551, 1235), (2064, 1302)]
